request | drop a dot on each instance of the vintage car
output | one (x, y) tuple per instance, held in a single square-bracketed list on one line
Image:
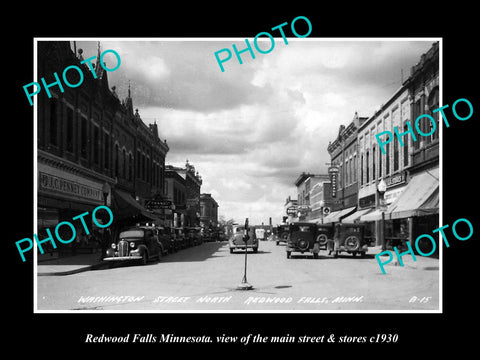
[(179, 235), (302, 238), (325, 232), (237, 240), (164, 237), (348, 238), (282, 234), (174, 246), (193, 236), (261, 234), (136, 243)]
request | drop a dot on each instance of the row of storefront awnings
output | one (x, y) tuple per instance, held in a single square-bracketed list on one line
[(420, 198)]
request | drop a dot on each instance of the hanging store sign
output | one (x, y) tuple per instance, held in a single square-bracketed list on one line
[(333, 172), (292, 210)]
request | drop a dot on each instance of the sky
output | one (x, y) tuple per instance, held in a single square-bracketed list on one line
[(251, 130)]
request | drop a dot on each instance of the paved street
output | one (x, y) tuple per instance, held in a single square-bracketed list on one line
[(205, 277)]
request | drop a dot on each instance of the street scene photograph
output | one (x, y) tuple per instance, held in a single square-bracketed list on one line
[(237, 175)]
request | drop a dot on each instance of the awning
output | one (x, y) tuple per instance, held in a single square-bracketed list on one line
[(125, 207), (336, 216), (372, 216), (356, 215), (419, 198)]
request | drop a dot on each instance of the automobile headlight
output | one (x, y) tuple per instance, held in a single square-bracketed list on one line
[(114, 246), (132, 245)]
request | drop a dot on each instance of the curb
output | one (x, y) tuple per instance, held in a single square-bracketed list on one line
[(73, 271)]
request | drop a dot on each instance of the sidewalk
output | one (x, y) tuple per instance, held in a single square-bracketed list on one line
[(421, 263), (68, 265)]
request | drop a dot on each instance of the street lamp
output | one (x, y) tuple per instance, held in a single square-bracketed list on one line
[(244, 285), (322, 204), (105, 191), (382, 188)]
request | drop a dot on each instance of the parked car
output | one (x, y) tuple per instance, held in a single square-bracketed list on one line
[(164, 237), (237, 240), (348, 238), (136, 243), (206, 235), (180, 240), (174, 245), (302, 238), (261, 234), (282, 234), (325, 232), (193, 236)]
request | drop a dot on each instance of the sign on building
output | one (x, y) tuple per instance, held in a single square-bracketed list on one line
[(333, 172)]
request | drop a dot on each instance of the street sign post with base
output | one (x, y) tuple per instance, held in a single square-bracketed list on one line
[(244, 285)]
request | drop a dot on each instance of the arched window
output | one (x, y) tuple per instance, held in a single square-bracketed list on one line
[(433, 103)]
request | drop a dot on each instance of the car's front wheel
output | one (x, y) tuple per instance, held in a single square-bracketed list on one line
[(144, 259)]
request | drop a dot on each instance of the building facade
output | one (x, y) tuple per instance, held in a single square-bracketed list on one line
[(175, 191), (208, 211), (193, 183), (92, 148), (344, 159), (409, 206), (305, 183)]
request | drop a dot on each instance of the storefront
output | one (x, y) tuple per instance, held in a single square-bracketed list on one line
[(63, 193), (413, 211)]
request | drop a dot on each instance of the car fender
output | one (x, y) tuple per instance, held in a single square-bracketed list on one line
[(142, 249)]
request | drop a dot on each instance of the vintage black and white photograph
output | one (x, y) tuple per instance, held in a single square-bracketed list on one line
[(266, 174)]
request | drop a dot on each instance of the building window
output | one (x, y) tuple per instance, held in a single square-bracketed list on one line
[(432, 105), (84, 138), (361, 169), (96, 145), (416, 113), (395, 155), (124, 167), (355, 168), (106, 154), (380, 155), (387, 160), (405, 147), (373, 163), (130, 167), (117, 155), (368, 168), (70, 126), (53, 123)]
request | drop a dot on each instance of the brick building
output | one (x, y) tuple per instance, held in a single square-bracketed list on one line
[(90, 142)]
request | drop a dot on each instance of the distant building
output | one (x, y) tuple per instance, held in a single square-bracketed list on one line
[(305, 183), (193, 183), (208, 211)]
